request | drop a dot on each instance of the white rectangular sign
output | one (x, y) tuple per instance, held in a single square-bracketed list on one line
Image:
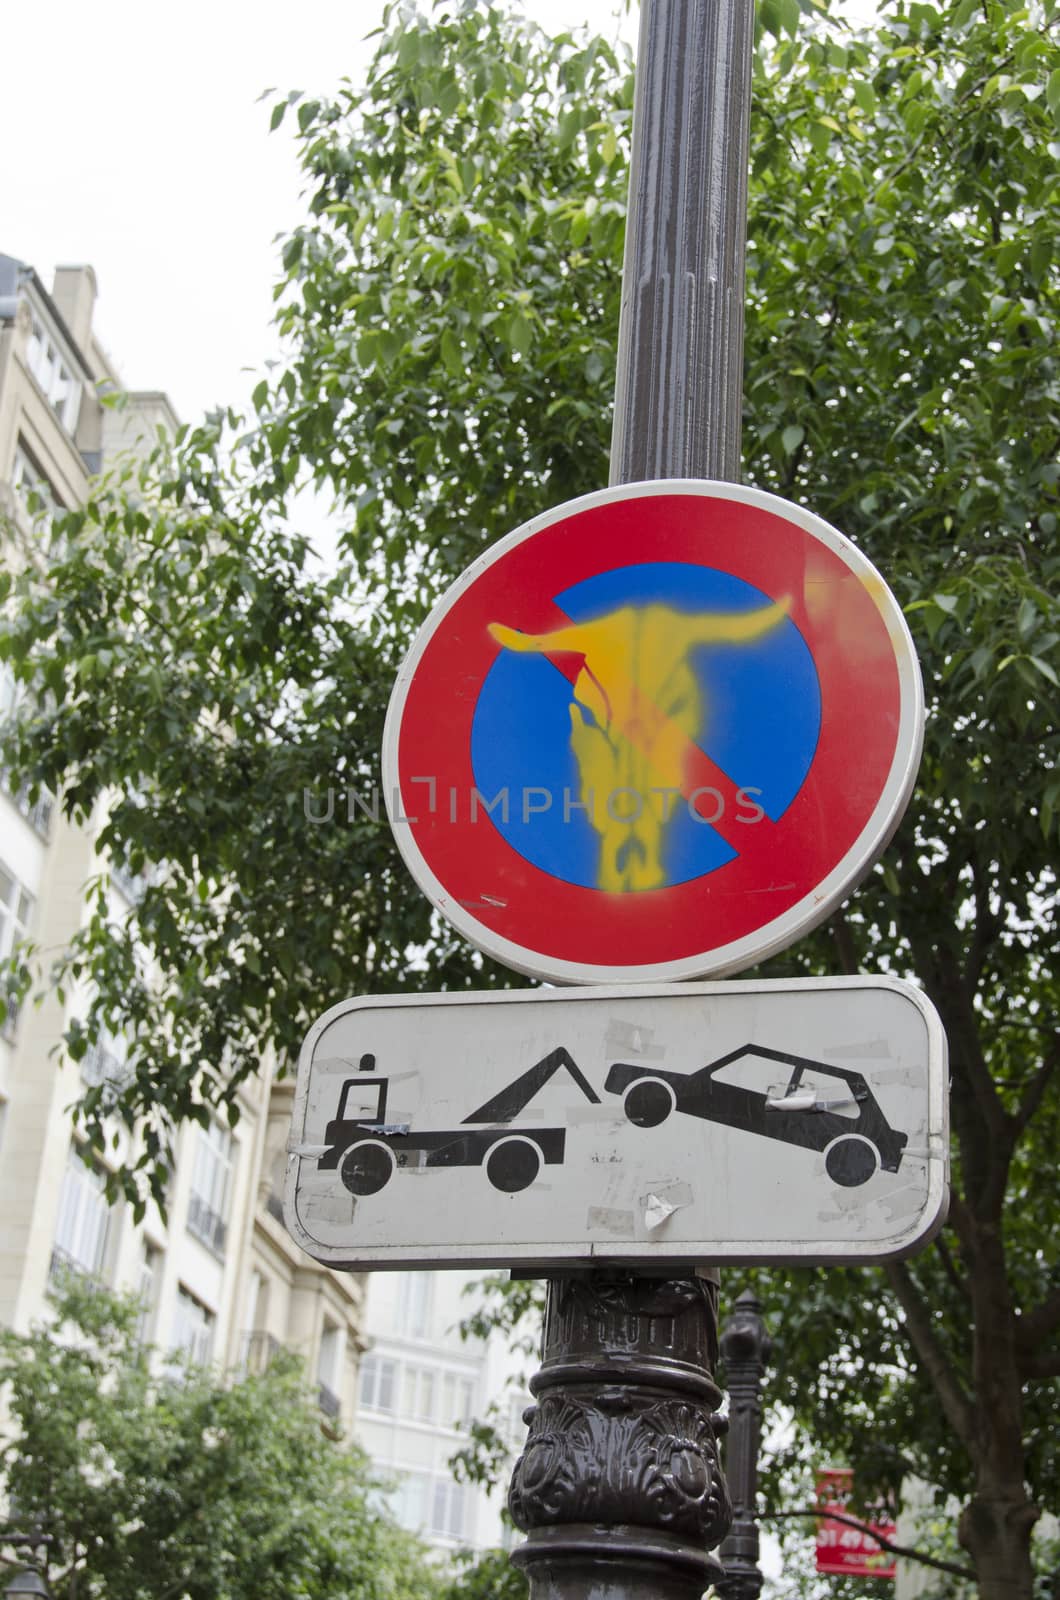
[(801, 1121)]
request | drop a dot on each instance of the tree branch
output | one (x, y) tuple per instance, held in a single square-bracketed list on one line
[(947, 988), (958, 102), (925, 1341), (960, 1220), (1046, 1365), (1040, 1322), (949, 1266), (904, 1550), (986, 929), (1035, 1091), (844, 943)]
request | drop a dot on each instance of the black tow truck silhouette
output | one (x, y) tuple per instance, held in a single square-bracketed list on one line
[(854, 1146), (367, 1150)]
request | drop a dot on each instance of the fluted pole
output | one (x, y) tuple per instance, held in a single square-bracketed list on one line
[(619, 1488), (679, 385)]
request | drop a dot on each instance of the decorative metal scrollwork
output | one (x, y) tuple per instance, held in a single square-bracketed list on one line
[(621, 1456)]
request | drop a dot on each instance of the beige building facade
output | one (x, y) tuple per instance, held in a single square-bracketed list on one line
[(218, 1276), (422, 1385)]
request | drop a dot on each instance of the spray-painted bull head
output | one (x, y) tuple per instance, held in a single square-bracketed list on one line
[(635, 708)]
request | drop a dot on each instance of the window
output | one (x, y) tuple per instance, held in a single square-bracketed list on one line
[(434, 1505), (38, 813), (456, 1400), (414, 1304), (329, 1368), (54, 374), (417, 1394), (258, 1351), (193, 1328), (448, 1507), (27, 479), (258, 1345), (257, 1301), (84, 1219), (104, 1062), (210, 1187), (411, 1500), (16, 910), (133, 885), (150, 1273), (377, 1383), (16, 913)]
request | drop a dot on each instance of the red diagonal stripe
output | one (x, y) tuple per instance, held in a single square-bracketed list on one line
[(699, 770)]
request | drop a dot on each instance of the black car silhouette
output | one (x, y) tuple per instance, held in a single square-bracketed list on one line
[(854, 1146)]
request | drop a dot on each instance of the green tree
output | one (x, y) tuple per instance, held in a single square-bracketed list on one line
[(451, 310), (149, 1487), (489, 1576)]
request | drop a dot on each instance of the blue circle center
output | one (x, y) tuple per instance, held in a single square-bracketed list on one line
[(761, 717)]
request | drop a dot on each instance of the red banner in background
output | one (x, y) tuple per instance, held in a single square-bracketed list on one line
[(843, 1550)]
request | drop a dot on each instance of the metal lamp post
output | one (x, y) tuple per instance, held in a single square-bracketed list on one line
[(619, 1489)]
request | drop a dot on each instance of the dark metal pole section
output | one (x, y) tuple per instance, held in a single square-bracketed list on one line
[(745, 1348), (679, 386), (619, 1488)]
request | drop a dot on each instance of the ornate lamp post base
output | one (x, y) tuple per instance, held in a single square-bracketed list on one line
[(619, 1488)]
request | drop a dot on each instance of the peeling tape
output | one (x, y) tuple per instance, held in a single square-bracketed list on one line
[(802, 1100), (610, 1221), (631, 1039), (610, 1113), (807, 1100), (904, 1202), (848, 1202), (673, 1190), (660, 1203), (864, 1050), (336, 1209), (910, 1076)]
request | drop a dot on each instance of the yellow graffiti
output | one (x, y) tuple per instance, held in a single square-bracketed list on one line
[(636, 707)]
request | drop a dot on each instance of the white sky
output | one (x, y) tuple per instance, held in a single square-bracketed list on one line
[(132, 139)]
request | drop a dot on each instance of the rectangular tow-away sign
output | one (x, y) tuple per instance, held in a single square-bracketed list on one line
[(800, 1121)]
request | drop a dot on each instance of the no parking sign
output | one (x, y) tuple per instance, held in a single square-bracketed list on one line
[(656, 733)]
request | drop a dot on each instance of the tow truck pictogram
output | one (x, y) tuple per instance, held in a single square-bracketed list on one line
[(367, 1150), (854, 1146)]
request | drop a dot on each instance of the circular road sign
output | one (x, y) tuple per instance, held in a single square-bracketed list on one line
[(656, 733)]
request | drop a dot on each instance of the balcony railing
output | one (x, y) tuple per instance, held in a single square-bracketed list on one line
[(63, 1265)]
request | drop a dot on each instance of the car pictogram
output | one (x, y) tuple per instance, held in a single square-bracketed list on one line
[(839, 1116)]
